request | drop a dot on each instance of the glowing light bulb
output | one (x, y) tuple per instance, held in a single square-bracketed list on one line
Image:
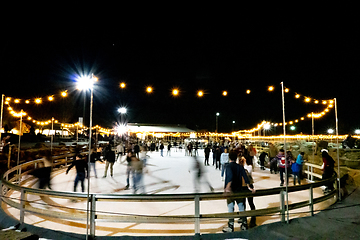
[(175, 92), (149, 89)]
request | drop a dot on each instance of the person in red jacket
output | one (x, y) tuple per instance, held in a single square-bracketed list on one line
[(282, 165)]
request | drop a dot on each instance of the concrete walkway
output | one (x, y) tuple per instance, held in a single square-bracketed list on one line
[(167, 175)]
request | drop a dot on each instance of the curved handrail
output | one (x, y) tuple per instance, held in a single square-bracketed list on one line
[(22, 205)]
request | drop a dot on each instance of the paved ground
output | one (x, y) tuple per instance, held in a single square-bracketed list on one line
[(173, 174)]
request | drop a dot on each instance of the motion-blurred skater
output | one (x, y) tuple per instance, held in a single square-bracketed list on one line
[(198, 174), (81, 166)]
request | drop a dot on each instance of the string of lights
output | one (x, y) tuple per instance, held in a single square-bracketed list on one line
[(328, 105)]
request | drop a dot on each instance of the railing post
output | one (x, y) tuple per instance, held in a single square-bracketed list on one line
[(338, 195), (312, 171), (92, 215), (308, 172), (311, 200), (2, 192), (197, 214), (282, 205), (22, 206), (19, 171)]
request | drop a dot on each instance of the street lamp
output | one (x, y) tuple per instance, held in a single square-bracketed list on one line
[(330, 131), (87, 83), (266, 127), (216, 130), (122, 110), (84, 83), (2, 110)]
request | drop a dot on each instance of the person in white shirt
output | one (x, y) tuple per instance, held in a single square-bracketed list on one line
[(224, 161)]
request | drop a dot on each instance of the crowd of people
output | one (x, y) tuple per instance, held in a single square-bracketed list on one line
[(235, 162)]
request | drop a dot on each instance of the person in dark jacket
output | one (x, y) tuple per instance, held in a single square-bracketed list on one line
[(234, 176), (81, 166), (262, 160), (207, 154), (218, 155), (110, 158), (328, 168), (137, 150), (161, 149)]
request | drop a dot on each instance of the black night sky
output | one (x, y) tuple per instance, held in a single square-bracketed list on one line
[(314, 56)]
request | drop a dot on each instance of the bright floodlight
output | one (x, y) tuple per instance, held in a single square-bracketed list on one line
[(330, 131), (84, 83), (217, 114), (122, 110), (357, 131), (121, 129), (267, 126)]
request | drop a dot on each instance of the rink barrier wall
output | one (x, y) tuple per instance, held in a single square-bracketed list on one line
[(11, 179)]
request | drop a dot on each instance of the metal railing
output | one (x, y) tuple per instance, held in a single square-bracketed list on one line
[(10, 185)]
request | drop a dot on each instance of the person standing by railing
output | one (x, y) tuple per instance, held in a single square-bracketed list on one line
[(234, 175), (247, 164), (328, 169), (297, 167)]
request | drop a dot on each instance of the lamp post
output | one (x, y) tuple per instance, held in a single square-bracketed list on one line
[(286, 170), (337, 144), (2, 110), (216, 127), (18, 156), (85, 83), (51, 134), (122, 110)]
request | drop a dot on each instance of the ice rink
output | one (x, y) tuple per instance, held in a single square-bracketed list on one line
[(165, 175)]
